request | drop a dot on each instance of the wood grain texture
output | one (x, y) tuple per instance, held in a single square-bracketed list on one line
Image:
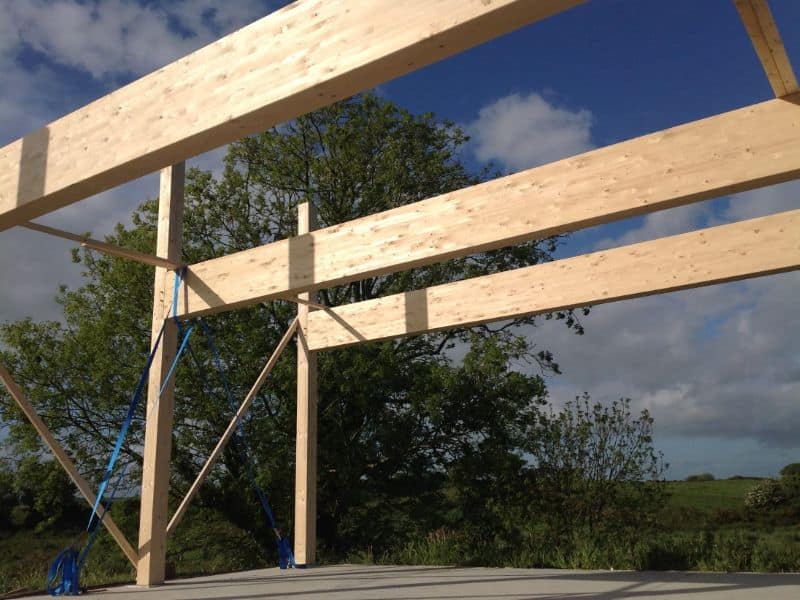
[(766, 38), (750, 147), (104, 247), (300, 58), (158, 423), (750, 248), (305, 486), (61, 456)]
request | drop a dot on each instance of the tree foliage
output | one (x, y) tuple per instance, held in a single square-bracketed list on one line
[(596, 469), (395, 417)]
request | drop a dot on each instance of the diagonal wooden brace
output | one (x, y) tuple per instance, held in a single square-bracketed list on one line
[(69, 466), (209, 464)]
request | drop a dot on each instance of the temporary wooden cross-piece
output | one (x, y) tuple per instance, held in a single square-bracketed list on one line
[(313, 53)]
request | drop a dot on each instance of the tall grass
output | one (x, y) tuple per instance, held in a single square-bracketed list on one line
[(729, 550)]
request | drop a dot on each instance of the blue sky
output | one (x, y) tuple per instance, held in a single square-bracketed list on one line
[(718, 367)]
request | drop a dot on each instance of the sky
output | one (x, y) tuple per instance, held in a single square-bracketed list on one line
[(718, 367)]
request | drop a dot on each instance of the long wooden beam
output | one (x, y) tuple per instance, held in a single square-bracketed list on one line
[(293, 61), (746, 148), (763, 32), (61, 456), (87, 242), (226, 436), (745, 249)]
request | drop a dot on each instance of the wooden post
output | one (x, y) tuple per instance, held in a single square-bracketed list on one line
[(305, 495), (158, 430)]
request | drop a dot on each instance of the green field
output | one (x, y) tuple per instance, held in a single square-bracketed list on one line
[(707, 496)]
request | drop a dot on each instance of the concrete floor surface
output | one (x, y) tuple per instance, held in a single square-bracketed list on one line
[(356, 582)]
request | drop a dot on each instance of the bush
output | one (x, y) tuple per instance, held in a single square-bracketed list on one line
[(726, 516), (791, 471), (701, 477), (765, 494), (19, 516), (596, 470), (45, 488), (790, 481)]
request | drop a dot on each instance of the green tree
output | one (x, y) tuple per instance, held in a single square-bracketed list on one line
[(394, 416), (701, 477), (595, 469), (8, 498), (790, 482), (44, 488)]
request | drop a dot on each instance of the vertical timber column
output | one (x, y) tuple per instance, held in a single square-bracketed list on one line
[(158, 428), (305, 495)]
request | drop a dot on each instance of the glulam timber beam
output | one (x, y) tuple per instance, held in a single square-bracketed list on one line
[(747, 148), (763, 32), (105, 247), (295, 60), (752, 248)]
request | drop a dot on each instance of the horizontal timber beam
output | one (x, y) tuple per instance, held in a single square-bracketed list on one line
[(743, 149), (295, 60), (87, 242), (763, 32), (726, 253), (19, 397)]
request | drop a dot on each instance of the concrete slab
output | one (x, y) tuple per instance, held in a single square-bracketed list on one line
[(355, 582)]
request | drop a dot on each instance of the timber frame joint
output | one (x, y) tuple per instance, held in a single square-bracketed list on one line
[(760, 145)]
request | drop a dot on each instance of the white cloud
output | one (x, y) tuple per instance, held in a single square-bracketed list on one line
[(105, 39), (661, 224), (718, 361), (763, 201), (524, 131), (739, 207), (120, 37)]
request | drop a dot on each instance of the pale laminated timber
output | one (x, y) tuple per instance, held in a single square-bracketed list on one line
[(86, 242), (767, 42), (752, 248), (743, 149), (295, 60), (153, 515), (305, 494)]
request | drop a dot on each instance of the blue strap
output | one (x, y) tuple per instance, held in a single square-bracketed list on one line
[(125, 426), (181, 348), (244, 452), (85, 552), (69, 562), (62, 577), (179, 275), (138, 394)]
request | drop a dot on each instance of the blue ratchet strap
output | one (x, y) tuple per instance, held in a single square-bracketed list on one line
[(125, 426), (285, 555), (138, 394), (68, 563), (85, 551), (63, 575), (179, 275)]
